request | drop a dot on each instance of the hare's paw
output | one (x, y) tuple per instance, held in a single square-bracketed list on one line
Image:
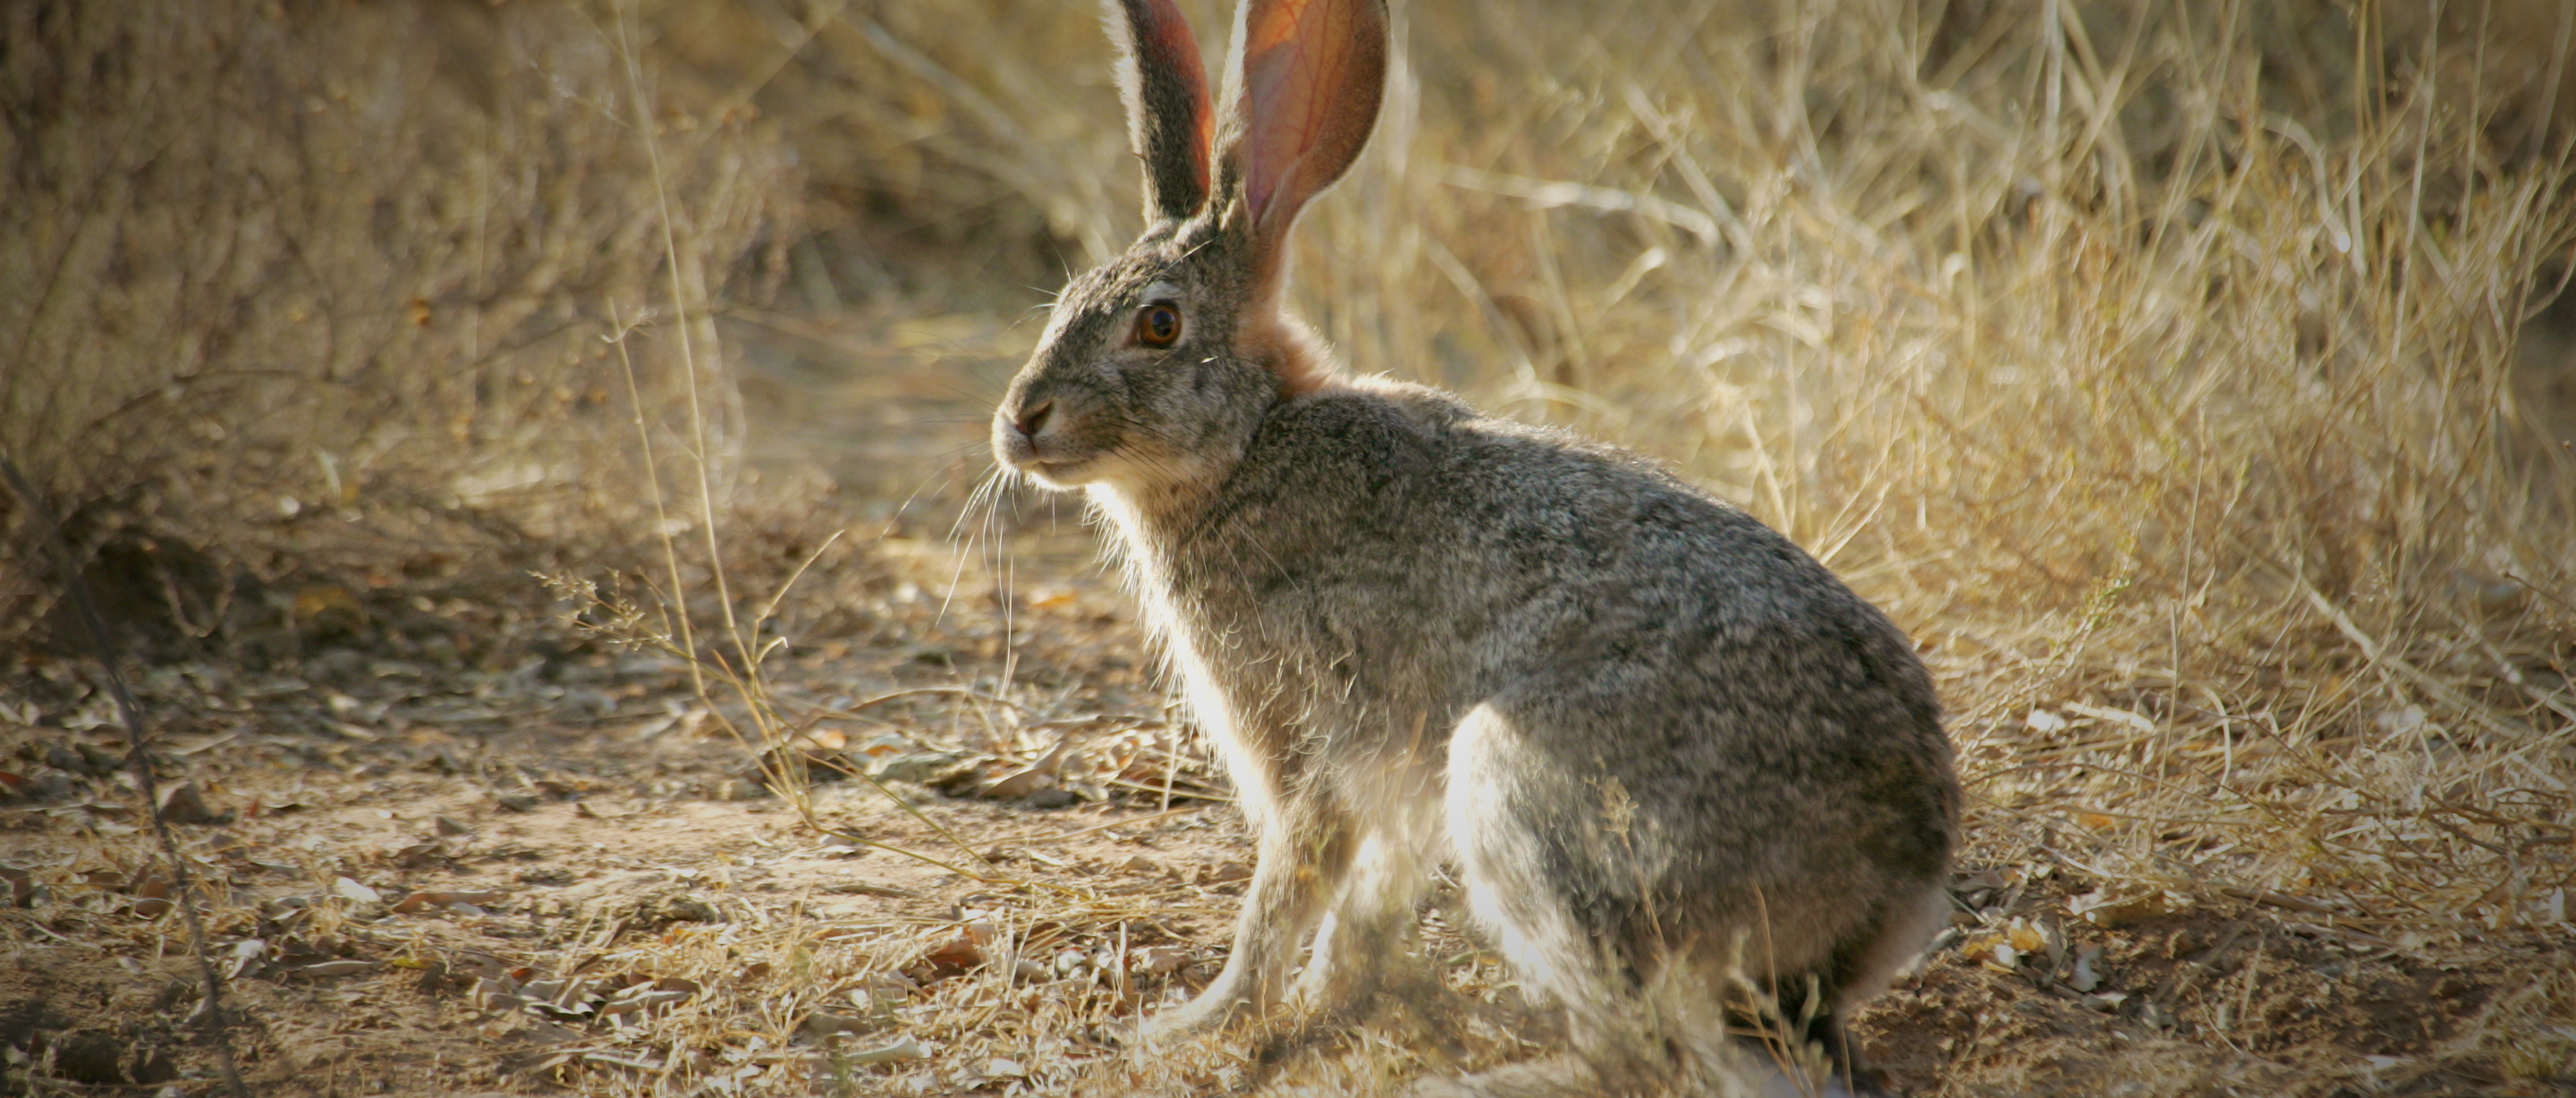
[(1216, 1008), (1326, 987)]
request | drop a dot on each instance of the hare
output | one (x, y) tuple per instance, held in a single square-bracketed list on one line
[(1668, 754)]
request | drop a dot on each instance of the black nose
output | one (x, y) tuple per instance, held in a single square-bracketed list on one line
[(1034, 417)]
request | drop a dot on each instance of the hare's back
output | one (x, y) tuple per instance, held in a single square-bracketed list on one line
[(1529, 556), (1634, 629)]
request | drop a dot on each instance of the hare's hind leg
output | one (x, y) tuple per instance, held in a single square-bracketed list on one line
[(1511, 889), (1790, 1028), (1551, 861)]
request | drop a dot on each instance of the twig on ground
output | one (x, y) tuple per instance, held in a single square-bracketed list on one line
[(219, 1024)]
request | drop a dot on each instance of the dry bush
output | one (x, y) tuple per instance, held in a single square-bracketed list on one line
[(265, 267)]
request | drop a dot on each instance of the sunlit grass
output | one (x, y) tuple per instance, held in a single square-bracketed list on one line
[(2166, 370)]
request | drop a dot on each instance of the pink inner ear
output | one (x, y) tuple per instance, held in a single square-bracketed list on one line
[(1293, 62)]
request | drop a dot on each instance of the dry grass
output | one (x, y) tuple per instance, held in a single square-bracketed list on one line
[(287, 288), (2182, 376)]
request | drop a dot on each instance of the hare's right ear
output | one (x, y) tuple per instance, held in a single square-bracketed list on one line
[(1165, 88), (1305, 77)]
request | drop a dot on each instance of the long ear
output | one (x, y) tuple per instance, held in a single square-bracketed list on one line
[(1166, 92), (1305, 93)]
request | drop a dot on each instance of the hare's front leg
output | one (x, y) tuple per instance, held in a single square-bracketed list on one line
[(1305, 849)]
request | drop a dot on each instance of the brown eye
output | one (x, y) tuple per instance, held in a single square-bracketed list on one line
[(1158, 325)]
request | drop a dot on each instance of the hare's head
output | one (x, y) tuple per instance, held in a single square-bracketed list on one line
[(1154, 368)]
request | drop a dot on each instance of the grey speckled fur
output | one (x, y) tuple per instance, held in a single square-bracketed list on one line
[(1663, 747)]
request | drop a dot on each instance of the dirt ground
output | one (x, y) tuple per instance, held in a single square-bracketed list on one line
[(458, 847)]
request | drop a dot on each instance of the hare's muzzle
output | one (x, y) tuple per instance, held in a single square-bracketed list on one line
[(1020, 435)]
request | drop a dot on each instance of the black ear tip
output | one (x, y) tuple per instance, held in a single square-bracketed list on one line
[(1164, 85)]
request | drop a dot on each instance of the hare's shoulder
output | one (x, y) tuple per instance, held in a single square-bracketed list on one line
[(1375, 433), (1376, 429), (1447, 468), (1385, 400), (1379, 409)]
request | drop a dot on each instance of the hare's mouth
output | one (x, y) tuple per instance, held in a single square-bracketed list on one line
[(1057, 471), (1052, 468)]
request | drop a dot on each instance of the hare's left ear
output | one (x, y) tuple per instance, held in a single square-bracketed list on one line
[(1306, 79), (1166, 92)]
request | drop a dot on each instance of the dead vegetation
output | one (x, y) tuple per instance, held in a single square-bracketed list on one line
[(297, 294), (2191, 380)]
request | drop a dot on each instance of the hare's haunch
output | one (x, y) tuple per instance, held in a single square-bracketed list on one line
[(1678, 766)]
